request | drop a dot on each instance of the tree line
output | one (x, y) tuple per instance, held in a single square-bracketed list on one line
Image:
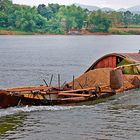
[(60, 19)]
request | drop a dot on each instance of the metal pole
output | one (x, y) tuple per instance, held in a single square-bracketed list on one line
[(59, 81), (73, 82), (51, 80), (45, 82)]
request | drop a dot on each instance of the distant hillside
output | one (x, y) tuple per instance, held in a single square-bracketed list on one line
[(134, 9), (122, 10), (107, 9), (89, 7), (93, 8)]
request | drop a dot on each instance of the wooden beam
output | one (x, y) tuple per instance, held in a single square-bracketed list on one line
[(21, 89), (73, 94)]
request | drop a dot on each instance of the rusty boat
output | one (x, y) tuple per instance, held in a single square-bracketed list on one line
[(111, 74)]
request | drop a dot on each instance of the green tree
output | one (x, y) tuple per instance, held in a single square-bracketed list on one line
[(27, 19), (45, 11), (136, 19), (115, 17), (127, 18), (3, 19), (99, 23), (5, 5), (54, 7), (56, 18), (54, 26), (65, 16), (73, 17)]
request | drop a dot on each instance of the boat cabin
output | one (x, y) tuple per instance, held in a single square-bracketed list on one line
[(114, 60)]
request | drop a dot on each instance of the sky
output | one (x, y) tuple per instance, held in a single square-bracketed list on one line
[(116, 4)]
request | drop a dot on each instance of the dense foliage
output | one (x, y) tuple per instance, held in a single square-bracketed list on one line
[(60, 19)]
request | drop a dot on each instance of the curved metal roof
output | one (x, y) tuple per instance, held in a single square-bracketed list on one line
[(132, 57)]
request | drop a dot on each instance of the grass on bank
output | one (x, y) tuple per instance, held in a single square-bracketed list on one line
[(125, 31), (4, 31)]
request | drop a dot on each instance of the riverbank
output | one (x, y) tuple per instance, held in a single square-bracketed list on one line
[(112, 31), (83, 32), (125, 31), (8, 32)]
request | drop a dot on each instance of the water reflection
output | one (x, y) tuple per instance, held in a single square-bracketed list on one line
[(9, 124)]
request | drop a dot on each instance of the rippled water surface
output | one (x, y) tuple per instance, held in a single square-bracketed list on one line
[(26, 60)]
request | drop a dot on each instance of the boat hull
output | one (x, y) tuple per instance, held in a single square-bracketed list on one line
[(8, 100), (15, 100)]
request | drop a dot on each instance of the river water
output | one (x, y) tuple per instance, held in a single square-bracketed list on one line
[(27, 60)]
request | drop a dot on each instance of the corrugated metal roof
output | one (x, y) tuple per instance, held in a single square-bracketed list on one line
[(133, 57)]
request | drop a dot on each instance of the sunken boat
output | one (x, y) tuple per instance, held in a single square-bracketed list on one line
[(111, 74)]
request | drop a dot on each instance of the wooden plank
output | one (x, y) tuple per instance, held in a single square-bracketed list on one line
[(21, 89), (85, 89), (75, 99), (78, 90), (43, 92), (73, 94)]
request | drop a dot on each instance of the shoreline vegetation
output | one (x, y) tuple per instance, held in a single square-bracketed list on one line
[(55, 19), (112, 31)]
